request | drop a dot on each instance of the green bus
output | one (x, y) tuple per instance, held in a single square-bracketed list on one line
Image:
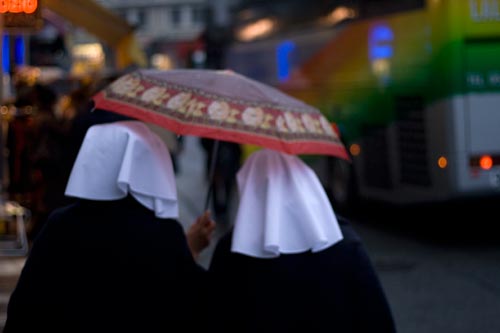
[(413, 87)]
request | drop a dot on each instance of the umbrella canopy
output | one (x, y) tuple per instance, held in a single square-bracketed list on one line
[(222, 105)]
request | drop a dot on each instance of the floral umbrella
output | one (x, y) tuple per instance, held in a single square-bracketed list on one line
[(222, 105)]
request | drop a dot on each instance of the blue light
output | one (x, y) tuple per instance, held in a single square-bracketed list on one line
[(5, 54), (382, 33), (381, 52), (20, 49), (283, 51), (380, 40)]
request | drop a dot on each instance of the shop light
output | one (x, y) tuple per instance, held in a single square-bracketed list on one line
[(18, 6), (339, 14), (257, 29)]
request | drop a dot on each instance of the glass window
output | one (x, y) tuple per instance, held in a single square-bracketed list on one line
[(137, 17), (198, 15), (176, 15)]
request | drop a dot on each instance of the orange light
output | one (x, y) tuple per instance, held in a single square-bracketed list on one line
[(442, 162), (355, 149), (18, 6), (260, 28), (486, 162)]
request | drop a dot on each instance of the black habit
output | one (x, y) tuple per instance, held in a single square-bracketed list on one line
[(335, 290), (108, 266)]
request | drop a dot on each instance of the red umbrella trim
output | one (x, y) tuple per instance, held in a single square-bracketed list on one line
[(191, 112)]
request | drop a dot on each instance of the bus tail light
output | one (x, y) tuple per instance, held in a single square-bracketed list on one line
[(485, 162)]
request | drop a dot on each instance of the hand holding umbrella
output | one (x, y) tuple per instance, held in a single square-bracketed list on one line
[(200, 233)]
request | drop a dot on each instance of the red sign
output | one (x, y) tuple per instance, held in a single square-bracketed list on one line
[(21, 15), (18, 6)]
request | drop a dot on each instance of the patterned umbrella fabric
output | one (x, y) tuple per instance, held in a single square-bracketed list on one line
[(222, 105)]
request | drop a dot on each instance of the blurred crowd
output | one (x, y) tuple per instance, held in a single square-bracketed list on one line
[(44, 130)]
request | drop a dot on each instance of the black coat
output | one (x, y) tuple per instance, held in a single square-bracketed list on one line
[(107, 267), (335, 290)]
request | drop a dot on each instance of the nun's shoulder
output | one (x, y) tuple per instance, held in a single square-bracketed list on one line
[(64, 212), (350, 236)]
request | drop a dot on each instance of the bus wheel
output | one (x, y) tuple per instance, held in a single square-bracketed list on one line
[(341, 185)]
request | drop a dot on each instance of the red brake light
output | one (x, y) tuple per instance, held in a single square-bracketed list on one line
[(485, 162)]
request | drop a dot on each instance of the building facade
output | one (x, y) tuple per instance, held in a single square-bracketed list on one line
[(170, 31)]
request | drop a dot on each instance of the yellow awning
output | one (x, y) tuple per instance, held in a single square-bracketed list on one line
[(104, 24)]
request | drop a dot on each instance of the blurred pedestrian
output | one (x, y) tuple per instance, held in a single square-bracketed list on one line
[(173, 142), (20, 182), (40, 149), (227, 163), (290, 264), (116, 260)]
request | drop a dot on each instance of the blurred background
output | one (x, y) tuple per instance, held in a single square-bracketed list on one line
[(412, 86)]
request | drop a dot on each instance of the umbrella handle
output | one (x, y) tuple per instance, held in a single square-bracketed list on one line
[(211, 173)]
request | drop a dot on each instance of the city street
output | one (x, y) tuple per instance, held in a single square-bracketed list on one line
[(437, 280), (408, 90)]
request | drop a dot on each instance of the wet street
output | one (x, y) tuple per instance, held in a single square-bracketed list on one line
[(441, 271), (440, 275)]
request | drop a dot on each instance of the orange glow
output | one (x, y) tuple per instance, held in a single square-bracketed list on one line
[(486, 162), (18, 6), (442, 162), (339, 14), (355, 149), (260, 28)]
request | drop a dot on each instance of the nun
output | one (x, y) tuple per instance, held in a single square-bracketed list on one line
[(116, 259), (290, 264)]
